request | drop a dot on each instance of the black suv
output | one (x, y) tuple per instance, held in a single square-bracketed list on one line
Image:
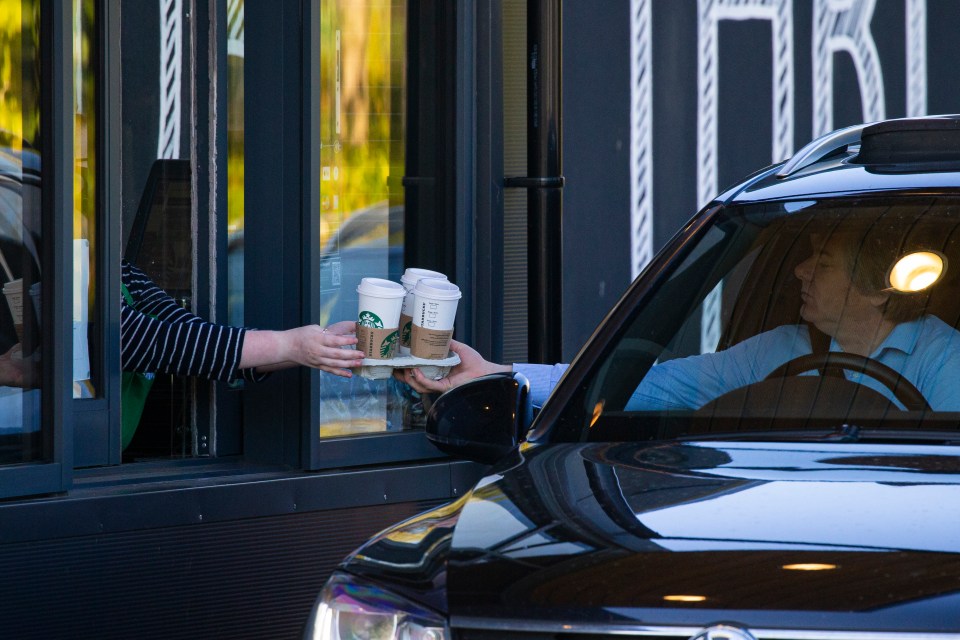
[(761, 440)]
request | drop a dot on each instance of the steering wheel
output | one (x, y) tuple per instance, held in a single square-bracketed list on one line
[(902, 389)]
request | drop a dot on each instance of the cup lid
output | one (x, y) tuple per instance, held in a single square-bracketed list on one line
[(437, 289), (413, 274), (380, 288)]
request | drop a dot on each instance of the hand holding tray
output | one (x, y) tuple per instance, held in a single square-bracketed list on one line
[(374, 369)]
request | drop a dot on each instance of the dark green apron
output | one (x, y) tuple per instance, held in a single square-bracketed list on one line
[(133, 392)]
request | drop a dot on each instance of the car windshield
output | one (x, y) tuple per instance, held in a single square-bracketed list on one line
[(795, 315)]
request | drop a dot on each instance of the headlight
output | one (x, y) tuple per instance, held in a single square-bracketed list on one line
[(350, 608)]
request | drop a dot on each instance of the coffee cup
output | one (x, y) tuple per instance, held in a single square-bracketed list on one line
[(378, 317), (434, 312), (13, 291), (409, 280)]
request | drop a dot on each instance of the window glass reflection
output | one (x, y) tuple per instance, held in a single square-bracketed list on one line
[(235, 165), (20, 439), (84, 197), (362, 129)]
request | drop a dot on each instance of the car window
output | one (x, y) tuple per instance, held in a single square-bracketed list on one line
[(791, 314)]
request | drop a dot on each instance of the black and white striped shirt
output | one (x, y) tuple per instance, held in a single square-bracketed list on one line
[(174, 340)]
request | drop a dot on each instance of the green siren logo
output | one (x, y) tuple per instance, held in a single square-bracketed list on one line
[(386, 347), (405, 335), (370, 319)]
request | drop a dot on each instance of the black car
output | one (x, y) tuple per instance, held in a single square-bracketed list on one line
[(761, 440)]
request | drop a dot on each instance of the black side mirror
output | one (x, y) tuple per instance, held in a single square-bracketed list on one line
[(481, 420)]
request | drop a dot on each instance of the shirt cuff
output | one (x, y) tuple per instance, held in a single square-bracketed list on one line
[(543, 378)]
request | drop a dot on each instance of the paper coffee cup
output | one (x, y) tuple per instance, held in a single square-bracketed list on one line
[(378, 318), (409, 280), (434, 312), (13, 291)]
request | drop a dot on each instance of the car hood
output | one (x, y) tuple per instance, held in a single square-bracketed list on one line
[(614, 533), (610, 532)]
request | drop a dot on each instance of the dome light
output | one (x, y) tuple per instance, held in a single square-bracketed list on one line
[(809, 566), (916, 271), (684, 598)]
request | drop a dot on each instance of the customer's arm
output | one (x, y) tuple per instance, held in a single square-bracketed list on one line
[(472, 365)]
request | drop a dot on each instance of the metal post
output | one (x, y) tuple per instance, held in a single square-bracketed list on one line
[(545, 181)]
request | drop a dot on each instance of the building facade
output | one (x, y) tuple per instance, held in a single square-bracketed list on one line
[(257, 158)]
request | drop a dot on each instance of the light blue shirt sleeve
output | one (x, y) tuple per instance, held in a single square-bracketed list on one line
[(543, 378), (690, 383), (925, 351)]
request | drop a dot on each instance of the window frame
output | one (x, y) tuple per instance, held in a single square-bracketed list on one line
[(54, 473), (98, 419)]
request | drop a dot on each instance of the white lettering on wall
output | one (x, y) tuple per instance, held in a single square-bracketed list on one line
[(641, 138), (235, 28), (171, 64), (710, 13), (844, 25), (916, 57)]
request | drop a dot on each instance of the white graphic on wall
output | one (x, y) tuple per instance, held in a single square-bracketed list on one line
[(641, 139), (710, 12), (235, 28), (916, 57), (171, 63), (844, 26)]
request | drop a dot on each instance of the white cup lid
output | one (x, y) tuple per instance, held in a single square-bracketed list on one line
[(380, 288), (413, 274), (437, 289)]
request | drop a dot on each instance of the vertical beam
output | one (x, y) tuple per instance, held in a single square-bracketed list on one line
[(545, 168), (110, 215), (479, 160), (56, 117), (310, 216)]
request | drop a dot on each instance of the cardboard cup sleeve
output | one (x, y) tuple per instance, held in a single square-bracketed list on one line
[(378, 344), (430, 344)]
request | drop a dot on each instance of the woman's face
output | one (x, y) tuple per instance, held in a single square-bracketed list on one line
[(829, 299)]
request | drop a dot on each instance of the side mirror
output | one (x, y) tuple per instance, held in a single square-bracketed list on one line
[(481, 420)]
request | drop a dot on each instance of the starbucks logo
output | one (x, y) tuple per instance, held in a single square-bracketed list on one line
[(370, 319), (405, 335), (386, 347)]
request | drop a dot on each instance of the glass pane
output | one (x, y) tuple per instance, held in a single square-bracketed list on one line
[(235, 166), (20, 439), (157, 202), (362, 103), (84, 198), (816, 325)]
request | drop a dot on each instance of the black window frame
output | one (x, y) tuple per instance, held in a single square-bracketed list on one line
[(54, 473), (97, 420)]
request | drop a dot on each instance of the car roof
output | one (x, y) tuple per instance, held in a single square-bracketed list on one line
[(899, 155)]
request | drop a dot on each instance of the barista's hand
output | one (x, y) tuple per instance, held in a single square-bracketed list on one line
[(472, 365), (314, 346), (328, 349)]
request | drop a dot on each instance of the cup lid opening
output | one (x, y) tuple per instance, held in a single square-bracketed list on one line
[(414, 274), (436, 288)]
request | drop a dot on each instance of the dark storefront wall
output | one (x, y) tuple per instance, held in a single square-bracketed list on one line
[(105, 537)]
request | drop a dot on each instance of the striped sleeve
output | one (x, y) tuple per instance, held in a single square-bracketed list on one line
[(159, 336)]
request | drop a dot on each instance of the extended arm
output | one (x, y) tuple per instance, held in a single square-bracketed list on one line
[(161, 336)]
